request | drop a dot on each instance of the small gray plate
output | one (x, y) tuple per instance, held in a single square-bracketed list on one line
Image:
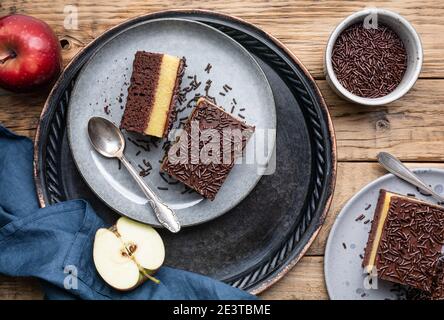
[(344, 274), (101, 90)]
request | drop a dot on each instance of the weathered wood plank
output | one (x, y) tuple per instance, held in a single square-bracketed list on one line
[(304, 26), (304, 282), (412, 128), (19, 289), (20, 112)]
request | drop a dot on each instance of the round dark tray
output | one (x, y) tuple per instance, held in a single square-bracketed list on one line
[(257, 242)]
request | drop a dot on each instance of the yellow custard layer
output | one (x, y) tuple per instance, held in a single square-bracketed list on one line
[(164, 93), (378, 234)]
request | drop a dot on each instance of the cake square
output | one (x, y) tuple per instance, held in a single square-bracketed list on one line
[(406, 242), (206, 123), (152, 94)]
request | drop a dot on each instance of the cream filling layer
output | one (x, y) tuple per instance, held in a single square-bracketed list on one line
[(382, 217), (162, 99)]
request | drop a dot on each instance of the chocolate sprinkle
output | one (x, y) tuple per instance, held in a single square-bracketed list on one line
[(227, 88), (145, 170), (208, 68), (423, 193)]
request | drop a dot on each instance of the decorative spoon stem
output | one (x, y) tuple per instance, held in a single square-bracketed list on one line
[(164, 214)]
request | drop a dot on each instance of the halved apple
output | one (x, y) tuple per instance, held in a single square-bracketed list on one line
[(128, 253)]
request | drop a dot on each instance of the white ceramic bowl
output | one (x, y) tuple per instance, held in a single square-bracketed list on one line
[(407, 34)]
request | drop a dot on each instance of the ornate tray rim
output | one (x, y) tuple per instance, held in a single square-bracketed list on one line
[(329, 185)]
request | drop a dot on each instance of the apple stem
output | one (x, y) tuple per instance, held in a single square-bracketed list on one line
[(156, 281), (11, 55)]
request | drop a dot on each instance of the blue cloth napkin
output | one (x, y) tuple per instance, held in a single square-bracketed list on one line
[(55, 243)]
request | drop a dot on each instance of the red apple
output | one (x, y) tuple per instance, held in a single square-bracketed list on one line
[(30, 53)]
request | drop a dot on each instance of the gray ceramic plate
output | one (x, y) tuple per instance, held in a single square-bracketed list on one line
[(237, 83), (344, 275)]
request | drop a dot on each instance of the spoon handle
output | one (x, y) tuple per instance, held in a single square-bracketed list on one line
[(164, 214), (393, 165)]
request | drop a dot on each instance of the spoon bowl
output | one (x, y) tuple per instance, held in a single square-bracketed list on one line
[(106, 137)]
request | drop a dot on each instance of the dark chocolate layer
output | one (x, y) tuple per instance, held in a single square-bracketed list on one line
[(207, 178), (141, 92)]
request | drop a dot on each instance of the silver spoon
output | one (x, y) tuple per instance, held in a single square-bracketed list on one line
[(107, 139), (393, 165)]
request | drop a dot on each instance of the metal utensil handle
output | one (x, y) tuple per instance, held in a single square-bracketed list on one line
[(393, 165), (164, 214)]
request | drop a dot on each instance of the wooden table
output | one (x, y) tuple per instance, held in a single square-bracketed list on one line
[(411, 128)]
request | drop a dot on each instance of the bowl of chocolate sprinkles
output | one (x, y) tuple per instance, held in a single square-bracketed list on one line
[(373, 57)]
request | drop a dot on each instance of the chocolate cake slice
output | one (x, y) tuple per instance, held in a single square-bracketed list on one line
[(406, 243), (152, 94), (206, 151)]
